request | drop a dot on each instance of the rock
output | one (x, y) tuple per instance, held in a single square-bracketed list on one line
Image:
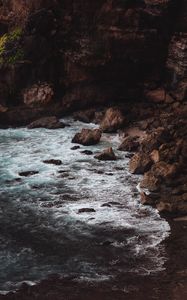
[(149, 199), (75, 147), (107, 154), (155, 156), (106, 205), (87, 137), (86, 210), (57, 162), (87, 152), (38, 95), (85, 116), (113, 120), (28, 173), (140, 163), (164, 170), (47, 122), (3, 108), (156, 96), (150, 182), (129, 144), (155, 139)]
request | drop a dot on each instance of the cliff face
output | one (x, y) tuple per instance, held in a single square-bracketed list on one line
[(94, 51)]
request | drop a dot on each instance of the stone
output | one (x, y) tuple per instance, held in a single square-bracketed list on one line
[(164, 170), (75, 147), (56, 162), (28, 173), (87, 137), (150, 182), (3, 108), (87, 152), (156, 96), (85, 116), (113, 120), (47, 122), (38, 95), (140, 163), (107, 154), (130, 143), (86, 210)]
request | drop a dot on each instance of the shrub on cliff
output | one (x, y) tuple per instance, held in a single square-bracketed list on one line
[(10, 47)]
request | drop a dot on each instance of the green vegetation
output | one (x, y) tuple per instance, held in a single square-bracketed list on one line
[(10, 49)]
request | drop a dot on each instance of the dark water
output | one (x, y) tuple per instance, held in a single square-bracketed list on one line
[(41, 231)]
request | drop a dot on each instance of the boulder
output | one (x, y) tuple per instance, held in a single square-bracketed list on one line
[(164, 170), (56, 162), (130, 143), (140, 163), (155, 139), (46, 122), (38, 95), (156, 96), (113, 120), (87, 137), (107, 154), (3, 108)]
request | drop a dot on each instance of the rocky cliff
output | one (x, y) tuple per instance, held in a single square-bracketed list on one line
[(92, 52)]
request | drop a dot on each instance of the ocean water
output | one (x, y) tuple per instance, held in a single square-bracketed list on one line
[(41, 229)]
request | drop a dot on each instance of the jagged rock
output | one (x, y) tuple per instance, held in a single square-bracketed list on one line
[(149, 199), (155, 139), (28, 173), (130, 143), (47, 122), (150, 182), (107, 154), (56, 162), (113, 120), (87, 137), (140, 163), (38, 95), (164, 170)]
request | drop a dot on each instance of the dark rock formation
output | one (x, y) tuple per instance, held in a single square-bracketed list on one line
[(56, 162)]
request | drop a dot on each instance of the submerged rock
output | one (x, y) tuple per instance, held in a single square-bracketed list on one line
[(86, 210), (75, 147), (57, 162), (87, 137), (107, 154), (87, 152), (113, 120), (28, 173), (47, 122)]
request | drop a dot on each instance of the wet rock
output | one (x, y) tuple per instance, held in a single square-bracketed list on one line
[(56, 162), (87, 152), (86, 210), (113, 120), (38, 95), (13, 181), (28, 173), (47, 122), (107, 154), (149, 199), (106, 243), (129, 144), (140, 163), (75, 147), (87, 137), (154, 140), (164, 170), (156, 96)]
